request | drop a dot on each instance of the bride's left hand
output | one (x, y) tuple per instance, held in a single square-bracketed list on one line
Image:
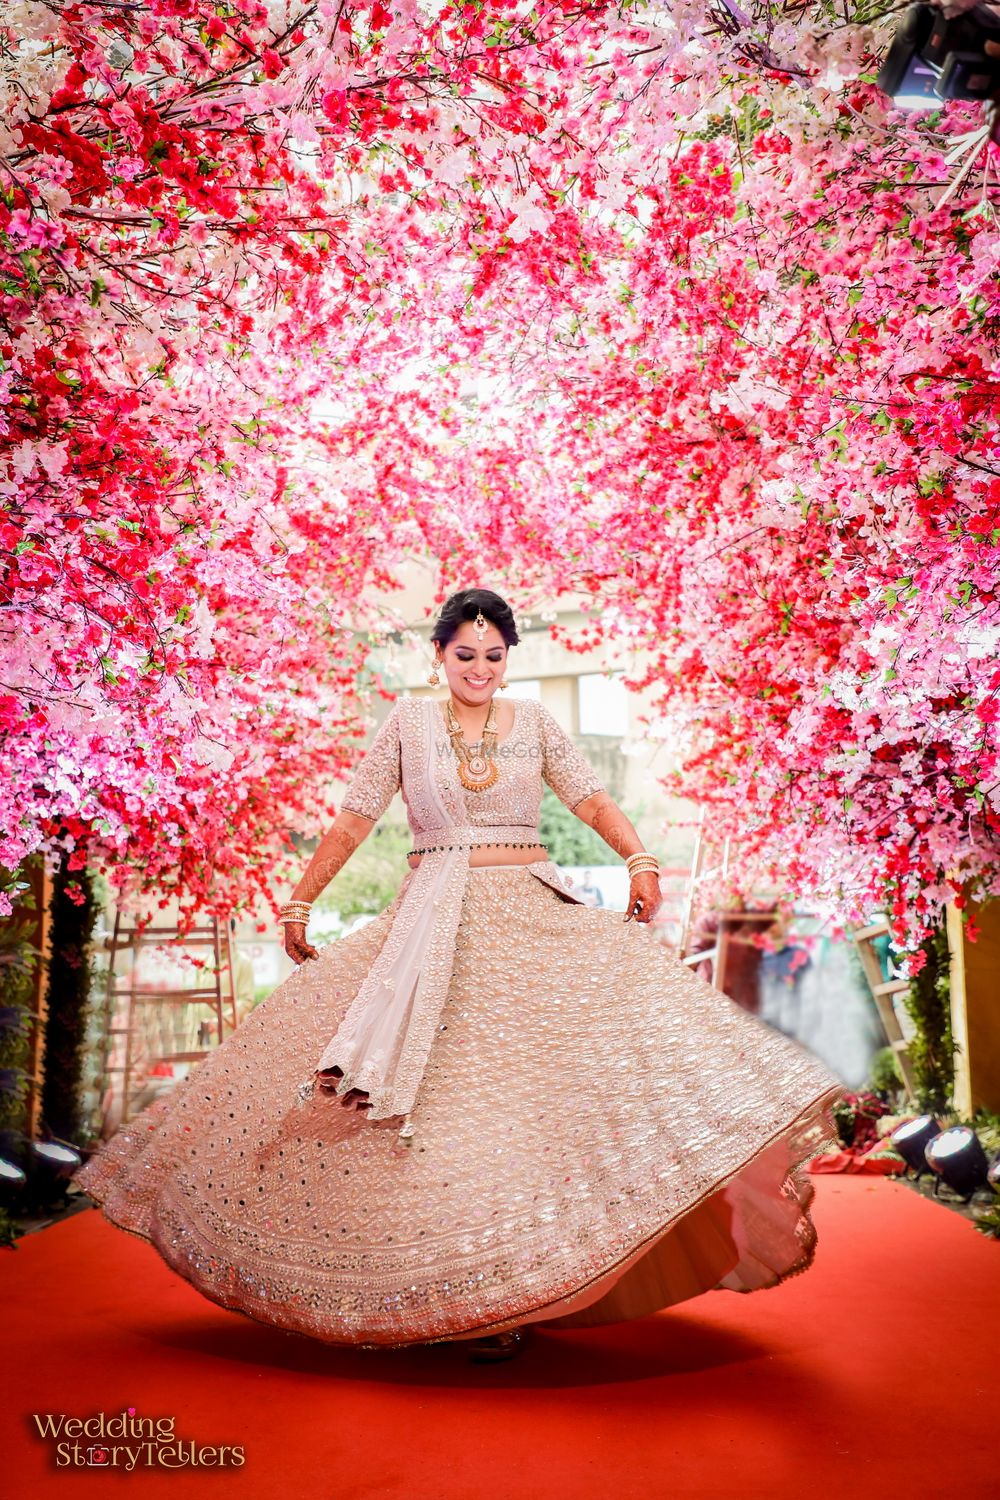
[(644, 887)]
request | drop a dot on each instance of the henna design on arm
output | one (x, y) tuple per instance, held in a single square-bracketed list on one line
[(601, 813), (347, 832)]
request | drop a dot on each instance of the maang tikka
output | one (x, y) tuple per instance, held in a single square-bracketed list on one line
[(480, 625)]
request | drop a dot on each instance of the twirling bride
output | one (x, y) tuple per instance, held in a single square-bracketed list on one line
[(494, 1105)]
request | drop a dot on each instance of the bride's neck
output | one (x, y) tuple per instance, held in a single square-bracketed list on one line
[(471, 716)]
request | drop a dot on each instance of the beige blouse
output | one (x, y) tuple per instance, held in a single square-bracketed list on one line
[(536, 750)]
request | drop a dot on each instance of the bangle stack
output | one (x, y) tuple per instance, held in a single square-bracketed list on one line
[(295, 911), (638, 864)]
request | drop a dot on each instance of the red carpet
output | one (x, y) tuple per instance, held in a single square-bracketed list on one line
[(877, 1368)]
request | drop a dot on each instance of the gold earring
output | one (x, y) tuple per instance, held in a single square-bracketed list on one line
[(503, 682), (434, 679)]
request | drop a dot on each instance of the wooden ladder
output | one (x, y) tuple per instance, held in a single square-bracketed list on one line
[(124, 938), (883, 990), (707, 848), (700, 871)]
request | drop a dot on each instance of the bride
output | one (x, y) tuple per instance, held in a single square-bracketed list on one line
[(494, 1105)]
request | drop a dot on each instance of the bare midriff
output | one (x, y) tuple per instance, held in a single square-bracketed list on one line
[(492, 854)]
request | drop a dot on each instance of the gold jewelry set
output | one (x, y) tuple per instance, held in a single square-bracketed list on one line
[(477, 767), (477, 770)]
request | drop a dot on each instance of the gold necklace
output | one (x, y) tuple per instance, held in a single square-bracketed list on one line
[(477, 769)]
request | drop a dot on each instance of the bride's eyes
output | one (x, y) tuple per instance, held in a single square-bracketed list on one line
[(497, 657)]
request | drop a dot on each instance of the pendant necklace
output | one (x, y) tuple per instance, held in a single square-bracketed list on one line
[(477, 768)]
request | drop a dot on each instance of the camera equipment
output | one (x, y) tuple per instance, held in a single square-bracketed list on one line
[(934, 57)]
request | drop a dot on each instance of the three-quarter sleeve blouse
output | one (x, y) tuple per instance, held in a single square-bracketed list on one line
[(378, 775), (536, 750), (564, 768)]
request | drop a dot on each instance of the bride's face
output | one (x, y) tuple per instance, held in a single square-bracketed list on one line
[(474, 668)]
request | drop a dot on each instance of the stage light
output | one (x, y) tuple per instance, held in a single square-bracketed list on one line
[(911, 1138), (12, 1179), (958, 1158), (56, 1158), (934, 57)]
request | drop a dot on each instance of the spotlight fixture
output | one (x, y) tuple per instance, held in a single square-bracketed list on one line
[(57, 1156), (911, 1138), (52, 1165), (12, 1179), (934, 57), (958, 1158)]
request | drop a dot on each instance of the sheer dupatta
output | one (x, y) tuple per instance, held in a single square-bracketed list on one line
[(383, 1041)]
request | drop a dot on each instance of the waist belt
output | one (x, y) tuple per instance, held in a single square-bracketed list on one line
[(469, 835)]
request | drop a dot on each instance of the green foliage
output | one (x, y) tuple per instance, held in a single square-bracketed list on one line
[(372, 876), (928, 1003), (986, 1124), (884, 1075), (987, 1127), (569, 841), (843, 1118), (9, 1231), (988, 1222), (19, 960), (67, 1001)]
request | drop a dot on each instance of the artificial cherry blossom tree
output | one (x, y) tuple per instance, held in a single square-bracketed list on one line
[(669, 306)]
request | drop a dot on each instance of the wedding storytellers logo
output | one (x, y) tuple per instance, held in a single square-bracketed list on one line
[(127, 1441)]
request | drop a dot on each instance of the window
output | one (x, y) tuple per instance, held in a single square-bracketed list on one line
[(525, 687), (602, 703)]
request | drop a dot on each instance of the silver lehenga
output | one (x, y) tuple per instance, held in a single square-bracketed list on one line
[(568, 1126)]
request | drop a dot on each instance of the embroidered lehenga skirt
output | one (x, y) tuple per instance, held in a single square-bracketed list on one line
[(598, 1134)]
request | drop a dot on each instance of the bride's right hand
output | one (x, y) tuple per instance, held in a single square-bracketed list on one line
[(295, 942)]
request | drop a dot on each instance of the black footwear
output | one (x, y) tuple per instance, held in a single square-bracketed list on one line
[(497, 1346)]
